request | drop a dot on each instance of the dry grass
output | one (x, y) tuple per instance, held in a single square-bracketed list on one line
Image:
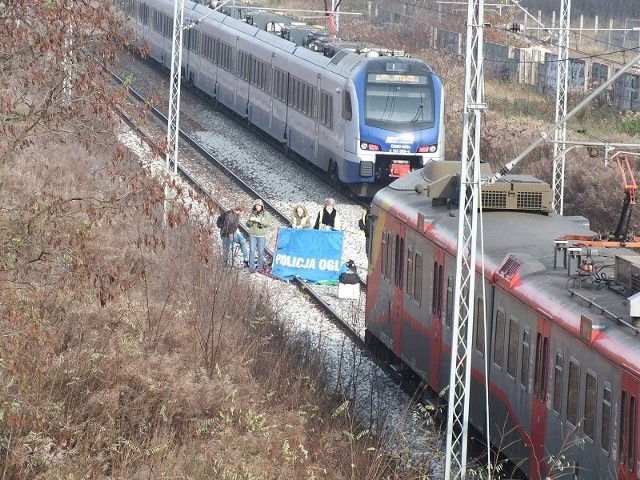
[(128, 353)]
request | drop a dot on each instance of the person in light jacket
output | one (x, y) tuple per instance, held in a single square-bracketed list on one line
[(258, 227), (328, 218), (300, 217)]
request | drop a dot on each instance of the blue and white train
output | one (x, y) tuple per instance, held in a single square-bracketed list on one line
[(365, 119)]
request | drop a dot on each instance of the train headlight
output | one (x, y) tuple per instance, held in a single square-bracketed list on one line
[(428, 149), (370, 146)]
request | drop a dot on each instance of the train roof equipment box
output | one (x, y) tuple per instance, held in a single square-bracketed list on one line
[(349, 286)]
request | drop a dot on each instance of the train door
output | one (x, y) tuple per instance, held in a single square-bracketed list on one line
[(539, 398), (628, 428), (437, 302), (397, 276)]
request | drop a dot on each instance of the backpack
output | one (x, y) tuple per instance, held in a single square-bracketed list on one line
[(221, 220)]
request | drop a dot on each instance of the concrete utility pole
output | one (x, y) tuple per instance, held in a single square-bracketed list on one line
[(463, 307)]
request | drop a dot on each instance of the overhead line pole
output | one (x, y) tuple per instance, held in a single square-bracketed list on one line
[(463, 308), (562, 86)]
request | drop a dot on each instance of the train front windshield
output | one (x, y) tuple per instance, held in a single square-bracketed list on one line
[(400, 102)]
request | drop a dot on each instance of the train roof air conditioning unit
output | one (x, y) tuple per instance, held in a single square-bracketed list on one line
[(517, 192)]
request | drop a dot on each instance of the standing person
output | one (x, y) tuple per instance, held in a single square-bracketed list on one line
[(258, 224), (328, 216), (363, 224), (228, 222), (300, 217)]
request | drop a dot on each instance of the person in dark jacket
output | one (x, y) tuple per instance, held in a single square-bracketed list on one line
[(328, 218), (230, 235), (258, 226)]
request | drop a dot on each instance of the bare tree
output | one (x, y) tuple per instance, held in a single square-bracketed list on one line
[(50, 81)]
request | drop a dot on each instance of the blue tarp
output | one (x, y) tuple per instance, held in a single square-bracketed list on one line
[(313, 255)]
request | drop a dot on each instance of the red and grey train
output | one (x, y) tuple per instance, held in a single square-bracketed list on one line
[(562, 319)]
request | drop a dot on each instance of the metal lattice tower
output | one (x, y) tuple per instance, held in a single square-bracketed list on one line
[(460, 376), (174, 90), (560, 135)]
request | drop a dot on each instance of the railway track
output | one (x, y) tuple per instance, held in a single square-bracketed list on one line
[(373, 383)]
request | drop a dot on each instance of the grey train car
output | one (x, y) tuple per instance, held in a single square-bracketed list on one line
[(562, 319), (364, 119)]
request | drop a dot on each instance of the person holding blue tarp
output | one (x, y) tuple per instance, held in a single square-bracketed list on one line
[(258, 226), (300, 217), (328, 218)]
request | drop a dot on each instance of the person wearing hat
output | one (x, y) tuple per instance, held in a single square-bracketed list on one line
[(257, 225), (300, 217), (328, 218)]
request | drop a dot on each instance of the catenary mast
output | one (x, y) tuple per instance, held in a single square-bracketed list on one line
[(460, 375)]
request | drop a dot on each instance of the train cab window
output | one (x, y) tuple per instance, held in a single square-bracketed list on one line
[(512, 348), (605, 427), (498, 339), (409, 281), (347, 111), (417, 290), (557, 383), (590, 392), (573, 393), (383, 254), (524, 359), (479, 326)]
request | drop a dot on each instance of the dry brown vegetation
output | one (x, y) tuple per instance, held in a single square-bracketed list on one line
[(125, 350), (128, 352)]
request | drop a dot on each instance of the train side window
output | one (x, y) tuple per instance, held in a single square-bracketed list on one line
[(448, 317), (409, 283), (573, 393), (631, 442), (524, 358), (590, 392), (326, 109), (389, 254), (541, 369), (512, 348), (623, 428), (438, 284), (479, 325), (347, 112), (399, 262), (557, 383), (417, 291), (605, 428), (498, 339), (383, 256)]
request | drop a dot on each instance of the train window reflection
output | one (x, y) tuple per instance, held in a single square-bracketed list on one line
[(448, 318)]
